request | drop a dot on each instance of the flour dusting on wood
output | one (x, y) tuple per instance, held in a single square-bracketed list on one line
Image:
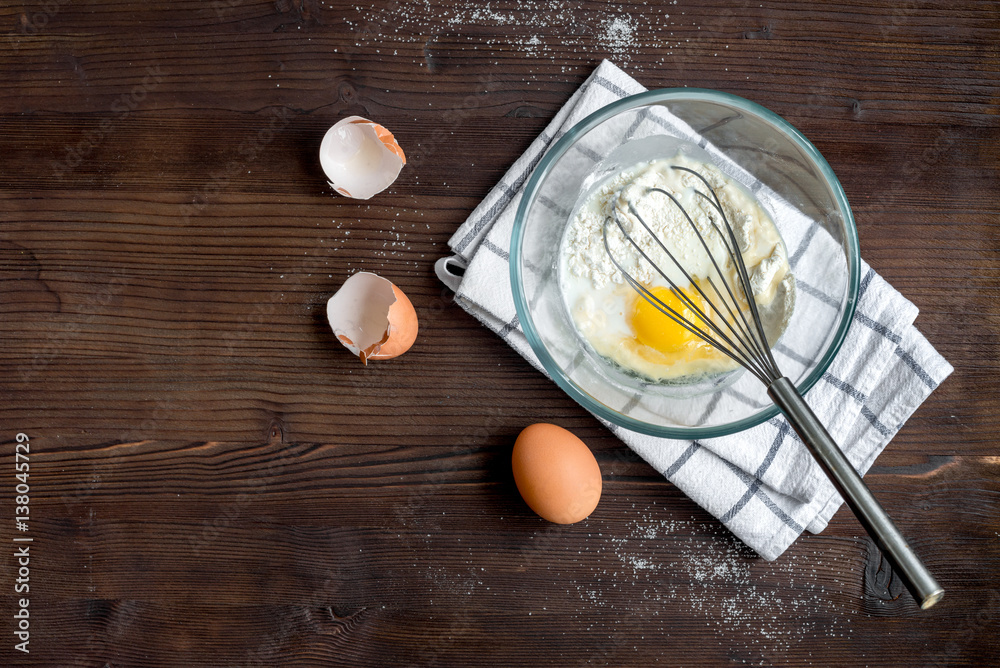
[(717, 578), (558, 26)]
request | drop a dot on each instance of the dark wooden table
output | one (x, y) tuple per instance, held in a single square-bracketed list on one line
[(215, 481)]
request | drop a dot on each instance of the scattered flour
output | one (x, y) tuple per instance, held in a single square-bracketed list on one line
[(717, 578), (562, 25), (619, 35)]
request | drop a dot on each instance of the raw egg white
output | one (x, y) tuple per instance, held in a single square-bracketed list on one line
[(372, 317), (556, 473)]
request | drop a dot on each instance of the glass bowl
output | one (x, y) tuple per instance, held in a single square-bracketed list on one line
[(790, 179)]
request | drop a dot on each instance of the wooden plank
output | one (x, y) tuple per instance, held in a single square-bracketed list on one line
[(215, 481)]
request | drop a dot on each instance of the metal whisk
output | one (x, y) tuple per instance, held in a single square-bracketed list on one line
[(732, 325)]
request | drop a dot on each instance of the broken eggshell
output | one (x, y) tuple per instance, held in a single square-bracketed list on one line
[(372, 317), (361, 158)]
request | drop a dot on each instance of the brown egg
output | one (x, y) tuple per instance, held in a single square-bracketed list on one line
[(556, 473)]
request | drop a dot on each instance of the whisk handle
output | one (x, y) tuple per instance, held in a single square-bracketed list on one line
[(915, 576)]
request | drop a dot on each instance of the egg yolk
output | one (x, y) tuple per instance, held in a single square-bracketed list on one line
[(657, 330)]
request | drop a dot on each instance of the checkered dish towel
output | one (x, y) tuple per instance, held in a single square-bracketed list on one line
[(761, 483)]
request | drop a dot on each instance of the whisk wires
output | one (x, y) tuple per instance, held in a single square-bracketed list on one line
[(731, 333)]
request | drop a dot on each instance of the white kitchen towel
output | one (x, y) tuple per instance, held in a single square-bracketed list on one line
[(761, 483)]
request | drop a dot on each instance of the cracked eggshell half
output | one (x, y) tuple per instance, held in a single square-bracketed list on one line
[(372, 317), (361, 158)]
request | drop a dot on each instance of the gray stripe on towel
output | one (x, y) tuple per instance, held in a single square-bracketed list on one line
[(816, 292), (876, 326), (509, 327), (804, 244), (682, 460), (753, 486), (496, 249), (612, 88), (779, 438), (916, 368)]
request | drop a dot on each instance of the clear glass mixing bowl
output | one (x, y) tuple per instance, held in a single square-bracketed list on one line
[(779, 165)]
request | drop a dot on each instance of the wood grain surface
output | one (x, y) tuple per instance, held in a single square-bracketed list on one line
[(215, 481)]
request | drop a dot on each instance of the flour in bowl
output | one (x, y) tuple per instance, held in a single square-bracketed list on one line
[(622, 326)]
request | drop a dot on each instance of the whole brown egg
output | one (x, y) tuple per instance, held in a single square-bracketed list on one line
[(556, 473)]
